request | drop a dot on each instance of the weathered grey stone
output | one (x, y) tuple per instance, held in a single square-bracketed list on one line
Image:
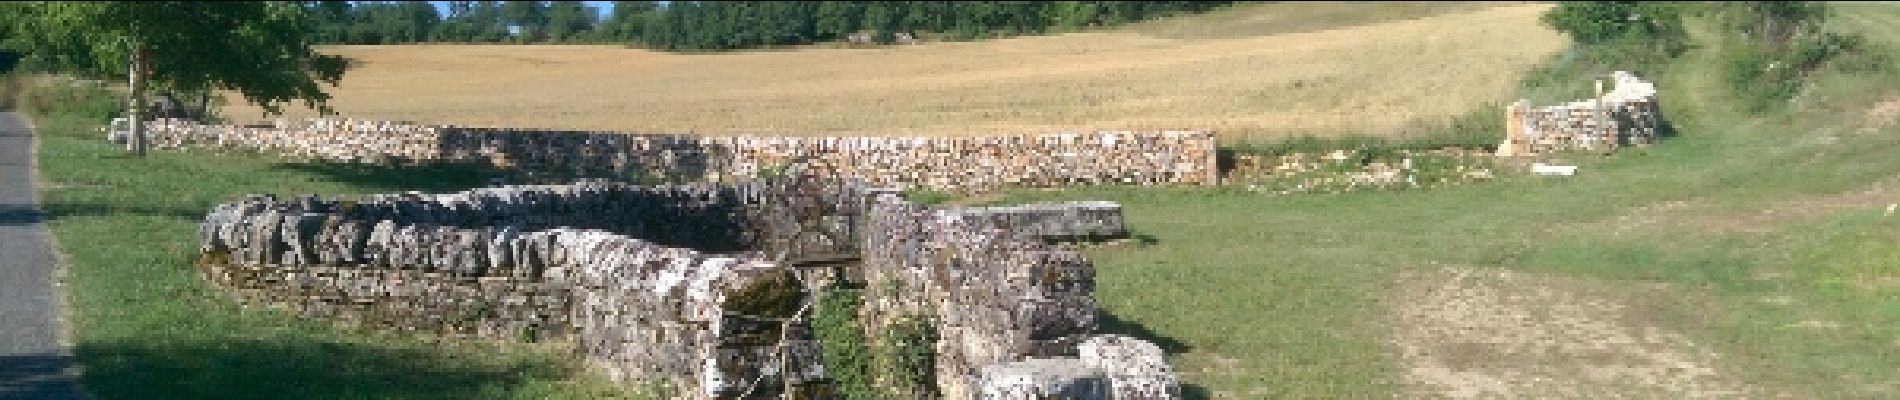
[(1043, 378), (1136, 369), (603, 264), (944, 163)]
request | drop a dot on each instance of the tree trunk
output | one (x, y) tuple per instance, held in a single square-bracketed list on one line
[(135, 139), (204, 106)]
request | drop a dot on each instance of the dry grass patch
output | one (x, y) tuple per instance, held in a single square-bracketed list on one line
[(1256, 80)]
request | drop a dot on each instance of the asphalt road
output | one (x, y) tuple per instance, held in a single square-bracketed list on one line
[(33, 365)]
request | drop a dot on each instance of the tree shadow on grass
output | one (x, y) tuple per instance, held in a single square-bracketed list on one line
[(300, 369), (433, 178), (1111, 324), (57, 210), (36, 376), (19, 214)]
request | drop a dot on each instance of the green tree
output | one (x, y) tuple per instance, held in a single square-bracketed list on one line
[(1599, 22), (414, 21), (259, 49), (530, 18), (838, 18), (455, 26), (1776, 23), (628, 20), (568, 20), (1622, 31), (486, 23), (331, 20)]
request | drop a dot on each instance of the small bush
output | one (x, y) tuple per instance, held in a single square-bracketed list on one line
[(1778, 45), (842, 344), (1622, 30), (909, 353), (81, 99)]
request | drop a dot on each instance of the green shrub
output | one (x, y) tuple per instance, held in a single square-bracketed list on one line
[(1778, 45), (1622, 30), (908, 350), (842, 343), (1776, 23), (81, 99)]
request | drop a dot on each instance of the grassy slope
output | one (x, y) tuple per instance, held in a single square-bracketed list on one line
[(1285, 297), (1267, 70)]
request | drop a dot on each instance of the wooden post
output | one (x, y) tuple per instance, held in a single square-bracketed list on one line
[(1213, 160), (1513, 131), (1602, 135), (135, 139)]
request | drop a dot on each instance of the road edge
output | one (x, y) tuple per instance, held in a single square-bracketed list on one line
[(62, 300)]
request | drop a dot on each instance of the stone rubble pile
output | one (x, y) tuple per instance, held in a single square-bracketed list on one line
[(958, 164), (1343, 171), (623, 273), (1625, 116)]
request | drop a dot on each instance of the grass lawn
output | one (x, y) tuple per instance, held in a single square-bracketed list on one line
[(147, 326), (1763, 239)]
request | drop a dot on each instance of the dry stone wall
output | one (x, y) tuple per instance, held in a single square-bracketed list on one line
[(1000, 295), (960, 164), (1625, 116), (575, 262), (506, 263)]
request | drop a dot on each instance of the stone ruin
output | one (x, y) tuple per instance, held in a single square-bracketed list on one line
[(704, 286), (954, 164), (1628, 115)]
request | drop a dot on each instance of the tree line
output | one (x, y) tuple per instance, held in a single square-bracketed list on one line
[(718, 25)]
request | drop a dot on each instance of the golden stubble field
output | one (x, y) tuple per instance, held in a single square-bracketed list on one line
[(1256, 71)]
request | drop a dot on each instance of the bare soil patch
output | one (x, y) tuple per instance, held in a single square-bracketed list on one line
[(1490, 333)]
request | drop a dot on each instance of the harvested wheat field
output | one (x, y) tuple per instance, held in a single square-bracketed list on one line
[(1255, 71)]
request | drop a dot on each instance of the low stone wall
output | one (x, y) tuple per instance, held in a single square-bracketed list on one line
[(569, 262), (1067, 221), (959, 164), (1625, 116), (501, 263), (999, 294)]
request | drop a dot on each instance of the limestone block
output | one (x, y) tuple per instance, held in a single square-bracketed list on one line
[(1135, 368), (1043, 378)]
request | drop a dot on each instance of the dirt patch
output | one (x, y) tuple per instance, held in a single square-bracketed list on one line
[(1694, 214), (1466, 332), (1881, 116)]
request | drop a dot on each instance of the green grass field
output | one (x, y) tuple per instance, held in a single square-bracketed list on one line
[(1762, 239), (147, 326)]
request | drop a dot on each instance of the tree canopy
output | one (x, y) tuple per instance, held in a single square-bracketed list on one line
[(257, 49)]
